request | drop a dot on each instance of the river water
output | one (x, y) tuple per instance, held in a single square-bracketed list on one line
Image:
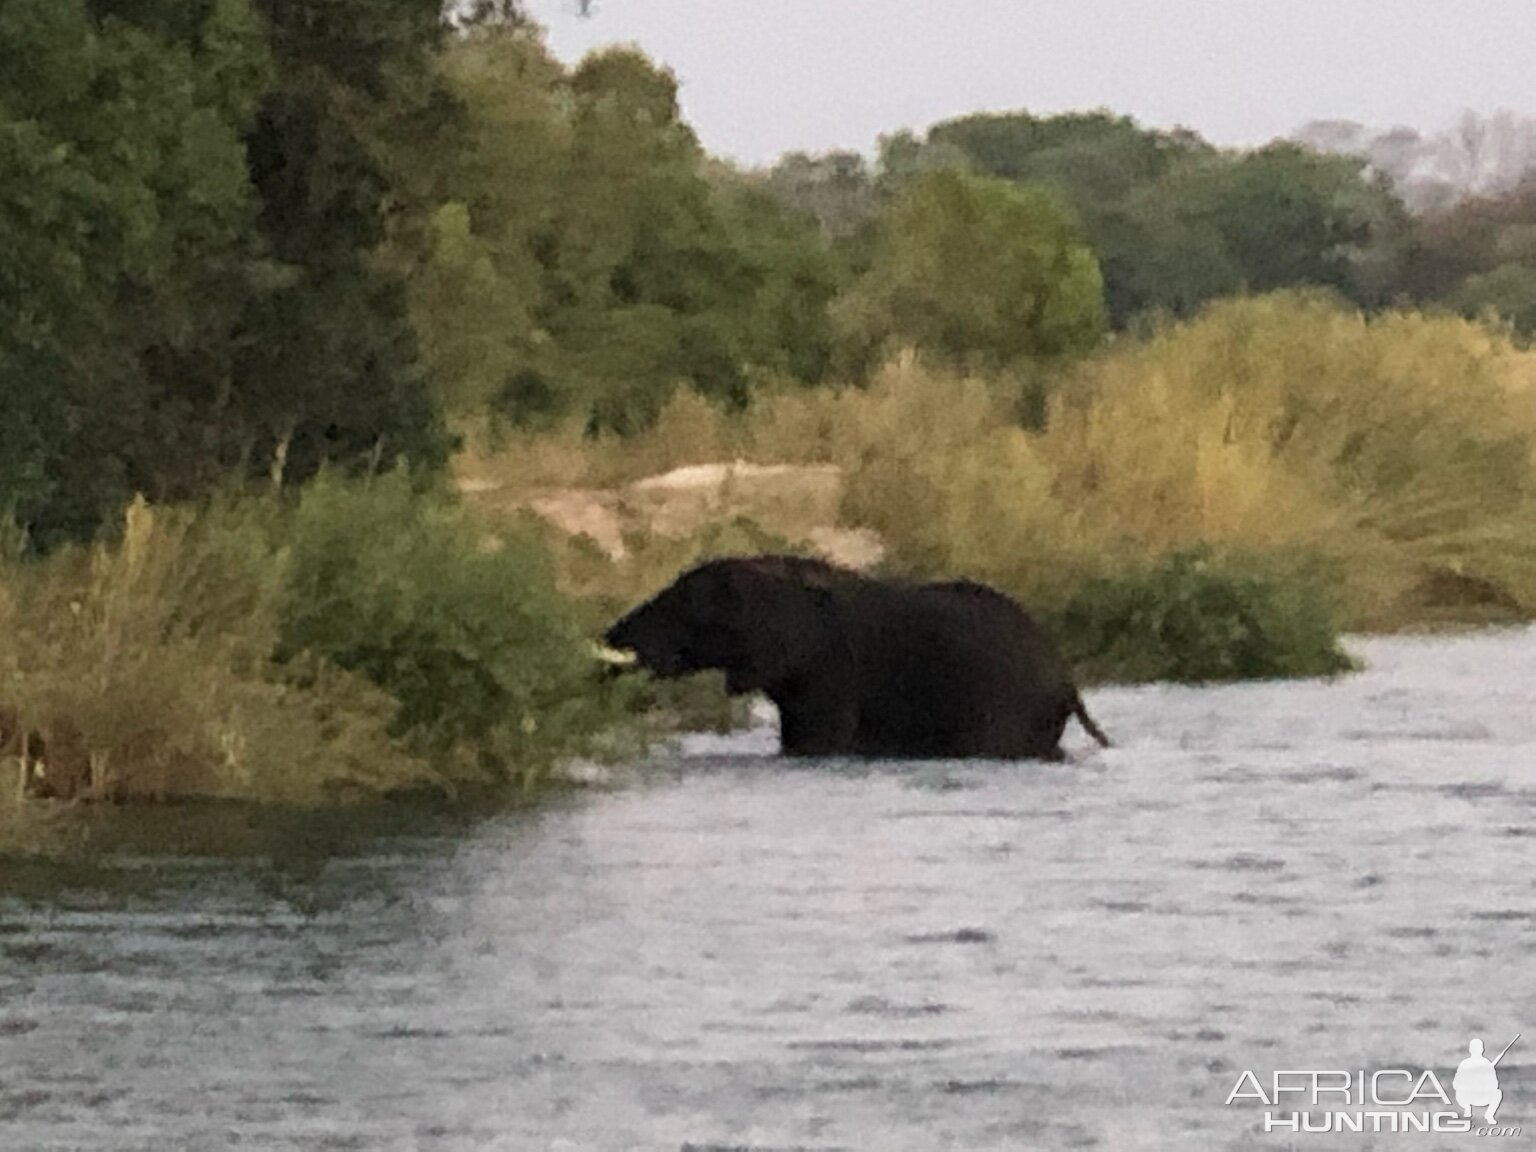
[(746, 953)]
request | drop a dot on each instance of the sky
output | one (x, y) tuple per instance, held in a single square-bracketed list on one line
[(762, 77)]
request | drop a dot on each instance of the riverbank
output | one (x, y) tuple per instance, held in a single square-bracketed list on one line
[(1219, 501), (358, 644)]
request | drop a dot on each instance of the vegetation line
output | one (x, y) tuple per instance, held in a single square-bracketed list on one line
[(311, 313)]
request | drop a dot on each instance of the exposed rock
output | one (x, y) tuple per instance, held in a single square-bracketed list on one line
[(781, 498), (799, 502), (856, 548), (590, 512)]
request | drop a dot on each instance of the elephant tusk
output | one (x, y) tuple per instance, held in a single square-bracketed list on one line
[(613, 656)]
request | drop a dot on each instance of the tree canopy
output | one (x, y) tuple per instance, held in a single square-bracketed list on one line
[(977, 270), (246, 238)]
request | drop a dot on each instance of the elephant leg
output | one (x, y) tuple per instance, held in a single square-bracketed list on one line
[(1030, 729), (817, 720), (1048, 735), (1054, 755)]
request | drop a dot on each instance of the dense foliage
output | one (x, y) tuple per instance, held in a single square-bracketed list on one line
[(365, 640), (484, 658), (1194, 617), (248, 238), (297, 246), (189, 197)]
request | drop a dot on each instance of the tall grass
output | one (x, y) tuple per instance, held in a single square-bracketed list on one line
[(145, 669), (362, 642), (1398, 449), (1401, 447)]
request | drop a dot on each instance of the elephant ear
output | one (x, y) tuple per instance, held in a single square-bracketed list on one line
[(786, 618)]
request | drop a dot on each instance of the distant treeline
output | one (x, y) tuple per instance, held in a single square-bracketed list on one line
[(1386, 219), (245, 238)]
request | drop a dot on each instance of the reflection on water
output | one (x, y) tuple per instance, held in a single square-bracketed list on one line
[(749, 953)]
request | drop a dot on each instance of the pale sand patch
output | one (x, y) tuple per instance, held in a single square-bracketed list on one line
[(856, 548), (592, 513), (799, 502)]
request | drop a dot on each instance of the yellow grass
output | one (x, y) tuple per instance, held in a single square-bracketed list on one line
[(1402, 447), (142, 665)]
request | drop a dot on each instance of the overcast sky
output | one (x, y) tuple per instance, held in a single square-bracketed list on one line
[(762, 77)]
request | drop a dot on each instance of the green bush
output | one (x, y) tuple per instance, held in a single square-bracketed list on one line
[(486, 660), (363, 641), (1193, 617), (975, 272)]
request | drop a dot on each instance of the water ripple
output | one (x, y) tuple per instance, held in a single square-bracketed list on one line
[(750, 953)]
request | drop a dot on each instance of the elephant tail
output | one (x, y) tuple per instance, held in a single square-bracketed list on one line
[(1080, 710)]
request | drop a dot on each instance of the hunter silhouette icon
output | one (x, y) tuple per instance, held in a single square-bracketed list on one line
[(1477, 1081)]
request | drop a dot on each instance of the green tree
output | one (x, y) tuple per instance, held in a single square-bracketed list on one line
[(340, 155), (1278, 217), (783, 318), (1095, 159), (635, 256), (585, 258), (1507, 293), (1100, 164), (126, 219), (1287, 216), (192, 199), (475, 279), (977, 271)]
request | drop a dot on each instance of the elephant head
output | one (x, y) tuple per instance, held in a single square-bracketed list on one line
[(760, 620)]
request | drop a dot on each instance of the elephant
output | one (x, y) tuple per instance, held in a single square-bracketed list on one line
[(862, 666)]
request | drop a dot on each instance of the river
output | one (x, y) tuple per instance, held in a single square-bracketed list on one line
[(746, 953)]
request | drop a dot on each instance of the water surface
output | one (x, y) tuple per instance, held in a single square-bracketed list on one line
[(750, 953)]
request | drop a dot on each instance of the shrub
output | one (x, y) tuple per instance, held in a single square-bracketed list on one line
[(1193, 617), (363, 642), (486, 661)]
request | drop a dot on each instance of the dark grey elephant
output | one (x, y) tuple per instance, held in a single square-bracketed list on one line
[(862, 666)]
